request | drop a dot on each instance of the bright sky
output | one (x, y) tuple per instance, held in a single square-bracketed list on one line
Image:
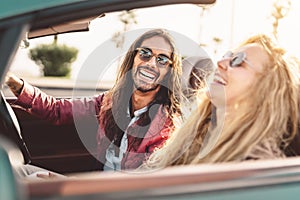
[(230, 20)]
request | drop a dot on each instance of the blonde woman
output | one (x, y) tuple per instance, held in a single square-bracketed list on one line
[(250, 111)]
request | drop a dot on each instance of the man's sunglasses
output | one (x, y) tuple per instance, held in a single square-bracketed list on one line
[(237, 59), (146, 54)]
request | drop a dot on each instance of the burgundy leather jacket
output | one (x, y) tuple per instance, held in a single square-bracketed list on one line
[(62, 112)]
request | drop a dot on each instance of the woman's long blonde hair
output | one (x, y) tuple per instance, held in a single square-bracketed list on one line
[(261, 129)]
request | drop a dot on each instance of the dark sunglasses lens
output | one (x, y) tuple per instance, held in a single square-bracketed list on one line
[(162, 61), (145, 54), (237, 60), (228, 54)]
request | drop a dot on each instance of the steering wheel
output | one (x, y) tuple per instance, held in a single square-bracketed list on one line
[(10, 128)]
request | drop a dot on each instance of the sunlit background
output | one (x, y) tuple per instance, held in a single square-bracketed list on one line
[(216, 28)]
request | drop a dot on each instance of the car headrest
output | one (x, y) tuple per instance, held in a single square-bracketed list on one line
[(195, 71)]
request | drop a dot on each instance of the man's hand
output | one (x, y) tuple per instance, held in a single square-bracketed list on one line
[(47, 175), (14, 83)]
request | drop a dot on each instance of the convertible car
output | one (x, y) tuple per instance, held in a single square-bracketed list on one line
[(27, 139)]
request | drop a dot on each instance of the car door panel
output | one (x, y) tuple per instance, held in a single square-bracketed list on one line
[(55, 147)]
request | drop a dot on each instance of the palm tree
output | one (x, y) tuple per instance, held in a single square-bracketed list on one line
[(217, 41), (128, 18), (203, 11), (280, 9)]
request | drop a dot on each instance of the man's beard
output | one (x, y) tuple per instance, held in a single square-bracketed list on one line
[(146, 89)]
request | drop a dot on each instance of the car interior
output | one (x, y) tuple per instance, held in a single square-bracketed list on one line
[(32, 140)]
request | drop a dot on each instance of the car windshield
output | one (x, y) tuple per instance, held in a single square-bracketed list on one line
[(87, 59), (116, 29)]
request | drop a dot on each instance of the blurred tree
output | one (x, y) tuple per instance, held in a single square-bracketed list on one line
[(54, 59), (127, 18), (280, 9), (217, 41), (203, 10)]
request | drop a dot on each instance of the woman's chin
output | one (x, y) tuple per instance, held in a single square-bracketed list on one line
[(216, 94)]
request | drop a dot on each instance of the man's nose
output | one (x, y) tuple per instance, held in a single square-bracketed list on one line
[(152, 61)]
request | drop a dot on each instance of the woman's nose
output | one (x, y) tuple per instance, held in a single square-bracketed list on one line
[(224, 63)]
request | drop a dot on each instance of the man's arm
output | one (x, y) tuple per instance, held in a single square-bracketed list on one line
[(57, 111)]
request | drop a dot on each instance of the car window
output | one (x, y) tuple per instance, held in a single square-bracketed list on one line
[(98, 47)]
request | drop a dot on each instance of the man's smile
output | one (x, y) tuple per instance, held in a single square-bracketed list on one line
[(147, 75)]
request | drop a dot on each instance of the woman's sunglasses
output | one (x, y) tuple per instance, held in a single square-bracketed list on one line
[(146, 54), (237, 59)]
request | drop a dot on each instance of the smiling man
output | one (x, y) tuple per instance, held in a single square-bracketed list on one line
[(135, 116)]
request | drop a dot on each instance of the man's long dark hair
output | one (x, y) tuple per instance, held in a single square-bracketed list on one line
[(114, 110)]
